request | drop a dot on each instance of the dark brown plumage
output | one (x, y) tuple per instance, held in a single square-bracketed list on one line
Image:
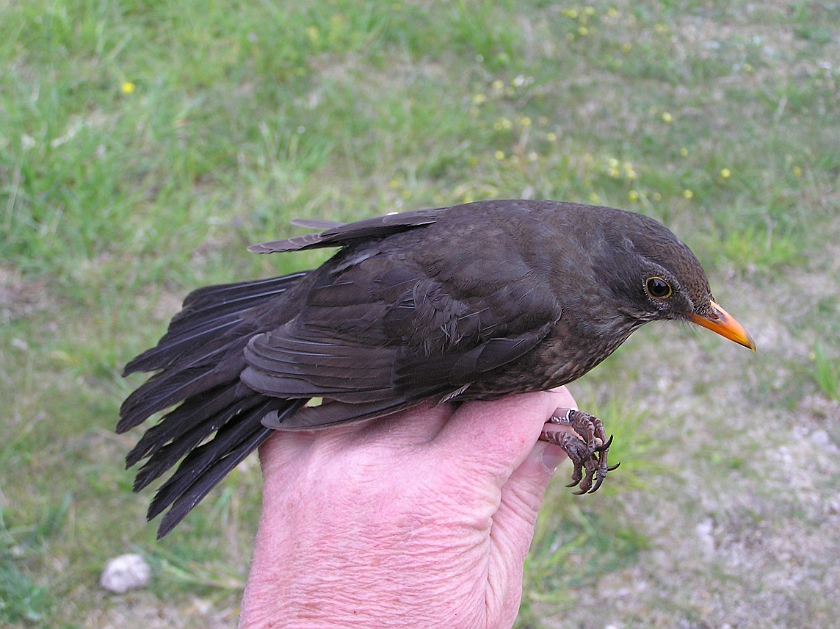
[(475, 301)]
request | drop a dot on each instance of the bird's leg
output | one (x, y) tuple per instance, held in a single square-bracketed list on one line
[(587, 447)]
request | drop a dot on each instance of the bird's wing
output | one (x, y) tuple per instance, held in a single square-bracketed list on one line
[(341, 234), (379, 333)]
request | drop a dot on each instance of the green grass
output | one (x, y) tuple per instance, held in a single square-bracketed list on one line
[(143, 145), (826, 374)]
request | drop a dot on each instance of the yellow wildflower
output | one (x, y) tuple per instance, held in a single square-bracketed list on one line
[(797, 171), (502, 124), (633, 195), (500, 155), (479, 99), (684, 152), (666, 117), (128, 87), (688, 194), (551, 137), (725, 173)]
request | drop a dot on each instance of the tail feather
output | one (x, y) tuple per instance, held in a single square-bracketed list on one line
[(213, 298), (167, 456), (167, 388), (170, 350), (198, 364), (212, 303), (206, 312), (190, 498), (175, 423), (192, 469)]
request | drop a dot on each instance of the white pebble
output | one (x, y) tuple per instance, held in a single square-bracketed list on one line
[(820, 438), (126, 572)]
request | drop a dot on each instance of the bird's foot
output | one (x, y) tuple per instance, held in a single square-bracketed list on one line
[(587, 447)]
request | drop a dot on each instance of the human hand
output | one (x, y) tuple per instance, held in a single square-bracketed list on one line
[(419, 519)]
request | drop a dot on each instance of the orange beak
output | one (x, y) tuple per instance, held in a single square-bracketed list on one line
[(724, 324)]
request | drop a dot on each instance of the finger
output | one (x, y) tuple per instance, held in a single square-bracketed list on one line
[(513, 522), (501, 433), (281, 449), (414, 426), (521, 498), (523, 493), (285, 448)]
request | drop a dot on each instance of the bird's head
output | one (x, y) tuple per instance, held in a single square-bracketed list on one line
[(655, 276)]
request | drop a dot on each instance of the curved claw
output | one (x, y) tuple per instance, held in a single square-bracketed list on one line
[(605, 446), (598, 482), (613, 467)]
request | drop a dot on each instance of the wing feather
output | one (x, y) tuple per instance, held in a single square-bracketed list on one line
[(347, 234), (378, 334)]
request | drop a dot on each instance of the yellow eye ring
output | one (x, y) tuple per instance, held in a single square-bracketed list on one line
[(658, 288)]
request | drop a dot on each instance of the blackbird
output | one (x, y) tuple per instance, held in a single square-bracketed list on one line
[(470, 302)]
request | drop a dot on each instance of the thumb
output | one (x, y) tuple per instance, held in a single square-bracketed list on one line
[(521, 499), (522, 496), (523, 493)]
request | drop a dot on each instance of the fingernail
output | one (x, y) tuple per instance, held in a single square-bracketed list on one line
[(552, 456)]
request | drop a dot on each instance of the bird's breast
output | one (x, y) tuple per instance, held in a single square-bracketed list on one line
[(563, 356)]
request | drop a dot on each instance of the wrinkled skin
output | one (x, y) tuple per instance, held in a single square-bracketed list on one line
[(421, 519)]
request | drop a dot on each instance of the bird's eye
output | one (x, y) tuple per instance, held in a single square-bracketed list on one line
[(658, 288)]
